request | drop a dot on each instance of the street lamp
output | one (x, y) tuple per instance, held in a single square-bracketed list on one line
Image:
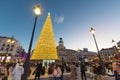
[(115, 47), (37, 11), (9, 41), (113, 41), (92, 30)]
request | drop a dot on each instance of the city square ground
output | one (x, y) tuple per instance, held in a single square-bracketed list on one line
[(66, 76)]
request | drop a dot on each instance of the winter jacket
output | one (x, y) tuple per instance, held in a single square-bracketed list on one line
[(17, 73)]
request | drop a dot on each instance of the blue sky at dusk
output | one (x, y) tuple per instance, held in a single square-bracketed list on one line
[(71, 20)]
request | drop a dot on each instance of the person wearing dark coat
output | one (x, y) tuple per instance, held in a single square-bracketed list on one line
[(116, 68), (83, 69), (38, 71), (97, 69)]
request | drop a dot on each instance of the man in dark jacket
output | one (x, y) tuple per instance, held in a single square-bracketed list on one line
[(38, 71), (83, 69)]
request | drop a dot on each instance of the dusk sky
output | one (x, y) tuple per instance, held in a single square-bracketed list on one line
[(71, 20)]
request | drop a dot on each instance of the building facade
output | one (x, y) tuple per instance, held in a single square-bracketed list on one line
[(69, 55), (87, 54), (108, 53), (10, 46)]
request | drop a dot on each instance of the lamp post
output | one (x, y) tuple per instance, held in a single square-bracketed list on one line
[(115, 47), (37, 10), (113, 41), (92, 30), (9, 41)]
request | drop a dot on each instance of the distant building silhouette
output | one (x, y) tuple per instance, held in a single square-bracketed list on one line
[(70, 55)]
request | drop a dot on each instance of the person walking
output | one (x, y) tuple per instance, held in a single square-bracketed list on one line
[(57, 73), (78, 71), (98, 71), (116, 68), (17, 71), (110, 69), (62, 70), (73, 75), (83, 70), (38, 71), (92, 66), (3, 72)]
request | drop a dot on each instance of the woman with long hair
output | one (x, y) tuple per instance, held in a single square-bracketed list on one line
[(57, 72)]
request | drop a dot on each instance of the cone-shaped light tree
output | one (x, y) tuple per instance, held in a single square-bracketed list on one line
[(45, 48)]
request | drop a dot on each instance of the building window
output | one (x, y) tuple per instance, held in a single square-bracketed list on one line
[(7, 49), (12, 45), (3, 45), (11, 49), (8, 45)]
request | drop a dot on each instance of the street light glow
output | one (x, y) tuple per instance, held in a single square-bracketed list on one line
[(92, 30), (10, 41), (48, 13), (37, 10)]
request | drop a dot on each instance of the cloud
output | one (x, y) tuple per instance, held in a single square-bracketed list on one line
[(59, 19)]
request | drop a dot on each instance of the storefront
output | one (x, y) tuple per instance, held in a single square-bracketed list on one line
[(7, 59)]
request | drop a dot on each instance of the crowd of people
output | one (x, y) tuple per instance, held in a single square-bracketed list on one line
[(77, 70), (16, 70)]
